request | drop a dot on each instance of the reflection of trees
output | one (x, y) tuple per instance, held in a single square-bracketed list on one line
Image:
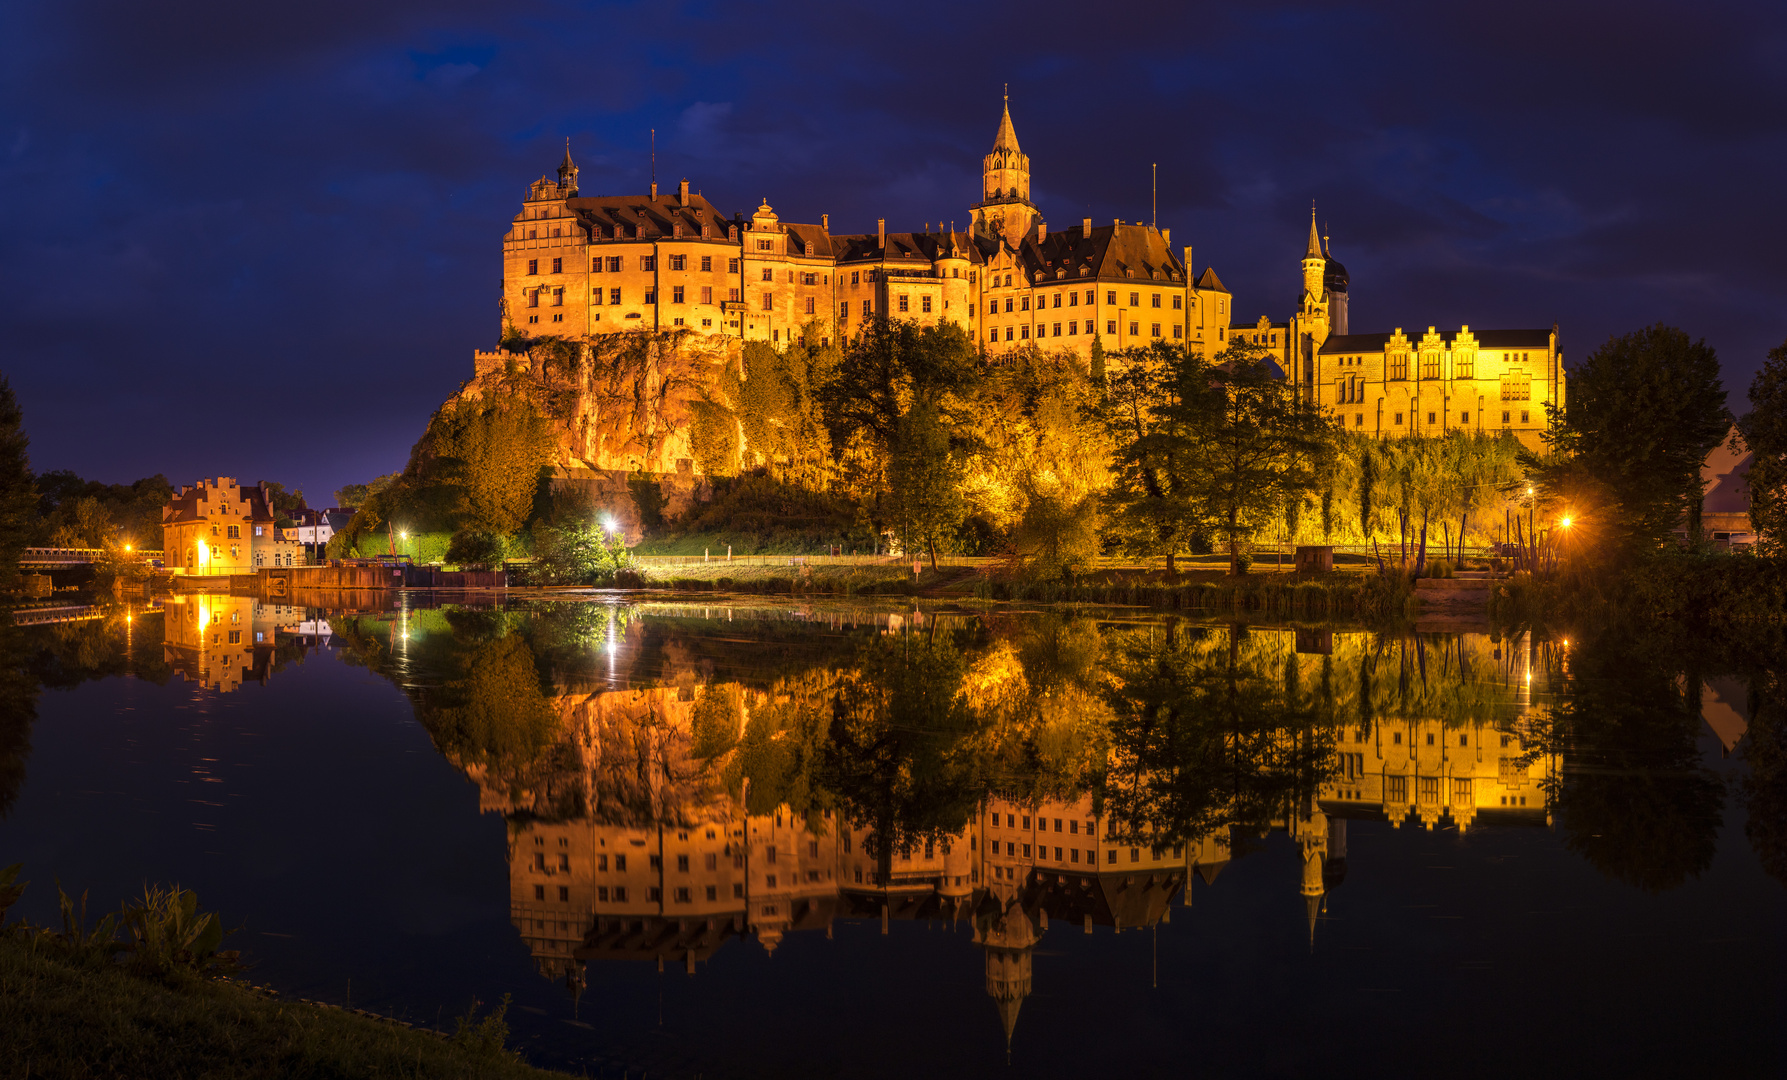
[(1633, 797), (1209, 729), (1765, 788), (18, 708), (901, 757)]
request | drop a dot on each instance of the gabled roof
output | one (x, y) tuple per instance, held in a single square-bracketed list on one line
[(1209, 282), (1485, 339)]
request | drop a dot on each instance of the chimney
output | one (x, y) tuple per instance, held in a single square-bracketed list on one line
[(654, 191), (825, 222), (1166, 235), (1187, 262), (881, 232), (682, 193), (1086, 226), (1042, 231)]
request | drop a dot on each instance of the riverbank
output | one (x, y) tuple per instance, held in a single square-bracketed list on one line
[(1348, 594), (1707, 589), (59, 1017)]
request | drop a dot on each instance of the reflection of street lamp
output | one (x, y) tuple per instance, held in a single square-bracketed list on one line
[(1565, 523)]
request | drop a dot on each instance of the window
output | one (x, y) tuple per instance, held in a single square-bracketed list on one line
[(1135, 329), (1008, 333), (1430, 789), (1396, 789), (1432, 418), (654, 894), (1110, 296), (1430, 364), (1399, 366), (1073, 298), (924, 304), (564, 863), (1523, 417), (533, 266), (679, 262), (707, 294), (564, 893), (1135, 299), (769, 855), (558, 297), (682, 864), (651, 296), (769, 302), (1008, 302), (768, 274), (1024, 303), (844, 310), (682, 894), (234, 532), (539, 892), (707, 264), (1464, 418), (676, 294), (811, 303), (620, 894), (1026, 851), (1154, 329), (1135, 854), (1073, 328), (766, 245), (614, 296), (614, 264), (602, 893), (1155, 300), (620, 864), (648, 262), (1464, 364), (656, 861), (732, 266), (1057, 330), (1110, 327), (1111, 856), (903, 302), (993, 334), (1089, 295), (1024, 331), (1179, 300)]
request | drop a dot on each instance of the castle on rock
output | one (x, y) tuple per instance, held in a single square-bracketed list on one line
[(576, 265)]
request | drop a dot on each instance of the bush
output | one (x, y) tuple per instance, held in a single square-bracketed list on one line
[(476, 549), (629, 579)]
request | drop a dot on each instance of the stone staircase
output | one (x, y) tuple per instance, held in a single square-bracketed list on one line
[(1469, 587)]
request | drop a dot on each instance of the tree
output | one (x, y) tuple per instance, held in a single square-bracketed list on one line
[(491, 457), (924, 496), (1258, 444), (18, 497), (1765, 433), (352, 496), (1151, 412), (1642, 414), (888, 368)]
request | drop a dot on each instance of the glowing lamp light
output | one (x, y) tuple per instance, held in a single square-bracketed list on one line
[(1565, 523), (608, 525)]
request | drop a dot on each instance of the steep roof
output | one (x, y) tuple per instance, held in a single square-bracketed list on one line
[(1209, 282), (1135, 252), (658, 215), (926, 246), (1007, 136)]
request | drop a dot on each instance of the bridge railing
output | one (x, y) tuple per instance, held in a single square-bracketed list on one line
[(68, 556)]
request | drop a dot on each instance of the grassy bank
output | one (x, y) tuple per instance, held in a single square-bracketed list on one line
[(1351, 595), (1707, 589), (62, 1018)]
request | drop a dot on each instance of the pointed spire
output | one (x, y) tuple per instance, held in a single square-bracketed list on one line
[(1007, 138), (1314, 904), (1315, 241)]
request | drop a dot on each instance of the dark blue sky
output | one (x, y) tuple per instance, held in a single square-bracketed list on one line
[(263, 241)]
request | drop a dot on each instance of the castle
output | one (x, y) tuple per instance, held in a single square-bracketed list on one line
[(576, 265)]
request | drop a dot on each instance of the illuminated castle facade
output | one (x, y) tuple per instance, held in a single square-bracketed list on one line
[(577, 265), (1410, 383)]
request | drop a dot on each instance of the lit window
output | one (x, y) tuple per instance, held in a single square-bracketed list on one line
[(533, 266), (558, 266)]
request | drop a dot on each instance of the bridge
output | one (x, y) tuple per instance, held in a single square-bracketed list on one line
[(50, 557)]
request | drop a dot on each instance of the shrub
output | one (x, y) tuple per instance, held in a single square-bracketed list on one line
[(476, 549)]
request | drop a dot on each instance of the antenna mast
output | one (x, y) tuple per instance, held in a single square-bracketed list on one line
[(1154, 198)]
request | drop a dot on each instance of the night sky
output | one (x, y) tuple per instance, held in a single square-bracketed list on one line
[(263, 241)]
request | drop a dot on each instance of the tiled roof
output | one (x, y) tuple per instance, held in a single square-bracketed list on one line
[(658, 215), (1135, 252), (1209, 282)]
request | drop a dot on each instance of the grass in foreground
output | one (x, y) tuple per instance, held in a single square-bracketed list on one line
[(60, 1017)]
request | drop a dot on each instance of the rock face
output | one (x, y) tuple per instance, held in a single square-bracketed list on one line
[(621, 405)]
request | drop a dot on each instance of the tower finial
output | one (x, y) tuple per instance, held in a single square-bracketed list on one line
[(1315, 242)]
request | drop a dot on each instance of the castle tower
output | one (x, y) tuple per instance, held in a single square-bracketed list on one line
[(1335, 280), (567, 173), (1009, 936), (1315, 266), (1005, 211)]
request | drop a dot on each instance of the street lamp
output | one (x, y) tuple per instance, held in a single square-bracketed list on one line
[(1565, 522)]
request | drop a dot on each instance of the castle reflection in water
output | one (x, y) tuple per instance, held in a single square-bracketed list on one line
[(630, 838)]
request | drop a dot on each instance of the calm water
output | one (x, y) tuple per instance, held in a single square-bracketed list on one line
[(849, 841)]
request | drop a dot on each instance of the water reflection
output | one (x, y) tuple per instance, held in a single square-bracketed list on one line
[(675, 780)]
